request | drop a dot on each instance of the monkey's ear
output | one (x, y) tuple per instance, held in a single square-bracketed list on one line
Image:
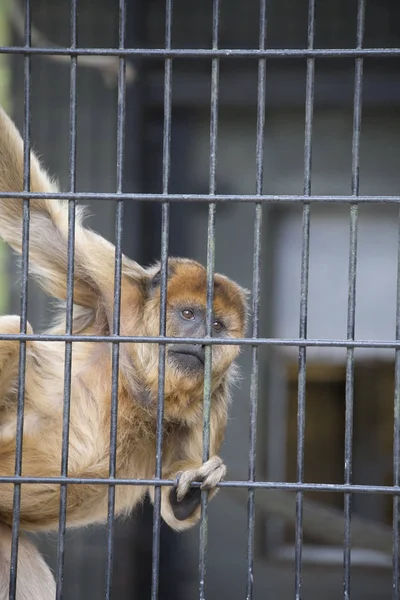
[(155, 282)]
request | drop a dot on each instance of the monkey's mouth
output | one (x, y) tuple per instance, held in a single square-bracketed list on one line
[(189, 356)]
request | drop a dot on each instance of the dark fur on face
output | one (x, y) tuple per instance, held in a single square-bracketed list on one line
[(186, 317)]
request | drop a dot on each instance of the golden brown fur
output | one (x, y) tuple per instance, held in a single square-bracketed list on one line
[(91, 367), (35, 581)]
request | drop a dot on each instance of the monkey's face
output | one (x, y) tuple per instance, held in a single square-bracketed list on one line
[(186, 317)]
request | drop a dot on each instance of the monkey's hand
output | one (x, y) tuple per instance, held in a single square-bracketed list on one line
[(185, 500), (209, 475), (180, 505)]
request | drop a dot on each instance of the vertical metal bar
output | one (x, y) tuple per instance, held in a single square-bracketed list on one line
[(69, 308), (256, 300), (210, 294), (396, 446), (24, 305), (117, 298), (351, 307), (155, 566), (305, 260)]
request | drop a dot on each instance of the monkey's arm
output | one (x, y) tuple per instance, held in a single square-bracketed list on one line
[(180, 505), (48, 237)]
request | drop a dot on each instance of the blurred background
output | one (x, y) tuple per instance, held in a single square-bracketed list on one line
[(236, 174)]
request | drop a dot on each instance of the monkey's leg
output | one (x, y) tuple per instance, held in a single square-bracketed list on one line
[(181, 504), (9, 352)]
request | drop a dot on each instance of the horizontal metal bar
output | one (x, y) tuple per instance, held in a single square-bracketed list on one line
[(258, 485), (208, 53), (218, 198), (114, 339)]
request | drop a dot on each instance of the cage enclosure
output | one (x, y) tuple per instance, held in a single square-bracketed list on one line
[(262, 139)]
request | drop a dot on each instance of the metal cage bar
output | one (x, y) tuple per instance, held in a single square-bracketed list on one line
[(260, 341), (305, 260), (24, 308), (218, 198), (351, 308), (208, 53), (117, 299), (212, 207), (396, 447), (256, 292), (69, 307), (165, 218), (256, 485)]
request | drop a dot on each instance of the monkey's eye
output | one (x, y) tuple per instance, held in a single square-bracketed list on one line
[(217, 325), (188, 314)]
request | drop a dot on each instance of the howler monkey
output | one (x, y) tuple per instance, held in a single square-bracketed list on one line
[(89, 431)]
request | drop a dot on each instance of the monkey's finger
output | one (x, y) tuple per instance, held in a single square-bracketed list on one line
[(210, 473), (185, 481), (214, 478), (177, 478), (211, 465)]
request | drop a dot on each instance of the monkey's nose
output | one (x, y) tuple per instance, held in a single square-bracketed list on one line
[(200, 351)]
